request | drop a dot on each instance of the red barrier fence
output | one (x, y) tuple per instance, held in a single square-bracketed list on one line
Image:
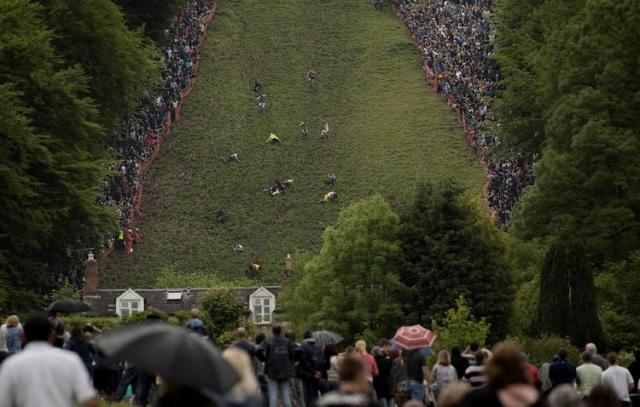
[(160, 137), (432, 81)]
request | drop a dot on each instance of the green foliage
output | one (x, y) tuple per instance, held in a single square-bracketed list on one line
[(452, 248), (120, 63), (154, 16), (225, 311), (541, 350), (387, 136), (458, 327), (169, 278), (352, 285), (99, 322), (51, 158), (525, 307), (616, 292), (65, 292), (572, 80), (567, 298)]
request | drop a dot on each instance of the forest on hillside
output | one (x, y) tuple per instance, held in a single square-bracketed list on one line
[(71, 74)]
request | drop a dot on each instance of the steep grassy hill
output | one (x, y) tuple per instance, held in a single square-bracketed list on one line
[(388, 131)]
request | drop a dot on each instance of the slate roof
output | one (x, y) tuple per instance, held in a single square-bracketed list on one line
[(103, 301)]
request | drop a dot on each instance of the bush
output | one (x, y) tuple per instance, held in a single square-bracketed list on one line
[(459, 327), (541, 350), (225, 311)]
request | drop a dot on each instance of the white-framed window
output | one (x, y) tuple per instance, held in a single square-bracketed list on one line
[(262, 310), (128, 307), (262, 303)]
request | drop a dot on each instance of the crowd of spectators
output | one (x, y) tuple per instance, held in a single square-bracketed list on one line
[(140, 134), (455, 38)]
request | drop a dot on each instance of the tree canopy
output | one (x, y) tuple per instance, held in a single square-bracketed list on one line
[(352, 286), (451, 248), (571, 93), (69, 72)]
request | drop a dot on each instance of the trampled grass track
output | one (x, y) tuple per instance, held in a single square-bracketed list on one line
[(388, 131)]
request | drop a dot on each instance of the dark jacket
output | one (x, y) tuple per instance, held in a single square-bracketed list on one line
[(461, 364), (381, 381), (312, 360), (81, 348), (278, 357)]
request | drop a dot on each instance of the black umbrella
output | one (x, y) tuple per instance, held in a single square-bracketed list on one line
[(178, 356), (69, 306)]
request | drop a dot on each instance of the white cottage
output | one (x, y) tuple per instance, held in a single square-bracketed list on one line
[(129, 302)]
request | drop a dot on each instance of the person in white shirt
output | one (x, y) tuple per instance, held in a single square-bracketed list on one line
[(42, 375), (618, 379)]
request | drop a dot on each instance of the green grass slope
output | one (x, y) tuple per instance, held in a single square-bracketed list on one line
[(388, 132)]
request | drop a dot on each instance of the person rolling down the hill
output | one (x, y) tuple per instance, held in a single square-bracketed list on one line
[(273, 139), (262, 102), (330, 180), (304, 128), (324, 133), (254, 269), (329, 197), (257, 87), (312, 76), (231, 158), (238, 248)]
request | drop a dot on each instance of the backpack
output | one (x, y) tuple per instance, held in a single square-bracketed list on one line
[(197, 326), (314, 360)]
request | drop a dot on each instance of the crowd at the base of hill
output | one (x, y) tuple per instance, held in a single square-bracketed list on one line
[(140, 134), (454, 37), (45, 364)]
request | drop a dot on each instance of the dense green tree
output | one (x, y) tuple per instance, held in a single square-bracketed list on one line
[(352, 285), (51, 157), (120, 63), (567, 299), (617, 288), (452, 248), (572, 79), (152, 15), (554, 308)]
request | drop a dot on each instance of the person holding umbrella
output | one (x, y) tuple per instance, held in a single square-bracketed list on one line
[(415, 340), (192, 371)]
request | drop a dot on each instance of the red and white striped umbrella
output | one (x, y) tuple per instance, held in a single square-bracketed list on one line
[(414, 337)]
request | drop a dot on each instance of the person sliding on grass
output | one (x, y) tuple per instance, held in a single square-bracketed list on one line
[(330, 180), (262, 102), (231, 158), (324, 133), (304, 128), (257, 87), (329, 197), (312, 76), (273, 139)]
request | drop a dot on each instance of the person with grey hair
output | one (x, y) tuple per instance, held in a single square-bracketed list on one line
[(242, 343), (597, 359), (564, 395)]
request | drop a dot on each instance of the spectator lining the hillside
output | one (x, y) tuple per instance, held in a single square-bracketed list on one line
[(455, 40)]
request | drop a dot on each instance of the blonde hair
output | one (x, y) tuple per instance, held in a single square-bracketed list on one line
[(195, 312), (453, 394), (444, 358), (241, 364), (361, 346), (12, 320)]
